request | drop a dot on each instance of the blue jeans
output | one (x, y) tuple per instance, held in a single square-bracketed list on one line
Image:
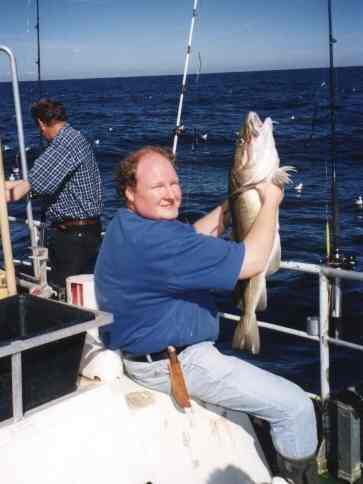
[(235, 384)]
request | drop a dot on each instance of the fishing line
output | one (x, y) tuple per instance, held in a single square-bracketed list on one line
[(195, 132), (37, 62), (199, 67), (198, 136), (314, 116), (25, 67), (22, 73), (195, 138), (179, 129)]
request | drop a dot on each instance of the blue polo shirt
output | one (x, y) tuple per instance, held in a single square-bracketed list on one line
[(155, 277)]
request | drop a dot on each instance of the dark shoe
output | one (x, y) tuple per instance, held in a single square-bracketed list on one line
[(302, 471)]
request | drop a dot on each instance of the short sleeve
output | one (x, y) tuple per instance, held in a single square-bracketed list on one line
[(192, 261)]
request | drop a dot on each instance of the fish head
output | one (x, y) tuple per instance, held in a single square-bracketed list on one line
[(256, 155), (252, 126), (249, 131)]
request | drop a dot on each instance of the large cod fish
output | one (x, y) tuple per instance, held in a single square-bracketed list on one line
[(255, 160)]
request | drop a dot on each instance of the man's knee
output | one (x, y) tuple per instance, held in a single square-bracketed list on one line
[(305, 410), (298, 412)]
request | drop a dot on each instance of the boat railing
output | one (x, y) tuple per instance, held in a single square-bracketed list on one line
[(39, 253), (37, 283), (326, 275)]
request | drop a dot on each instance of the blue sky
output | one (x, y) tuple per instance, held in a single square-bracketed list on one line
[(108, 38)]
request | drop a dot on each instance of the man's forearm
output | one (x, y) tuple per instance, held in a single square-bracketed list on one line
[(214, 222), (259, 240)]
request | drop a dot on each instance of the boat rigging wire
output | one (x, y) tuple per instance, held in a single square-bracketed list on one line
[(179, 127)]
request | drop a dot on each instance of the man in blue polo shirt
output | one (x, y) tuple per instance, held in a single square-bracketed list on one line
[(155, 274)]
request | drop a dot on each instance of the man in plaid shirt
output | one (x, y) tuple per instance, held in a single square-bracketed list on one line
[(67, 177)]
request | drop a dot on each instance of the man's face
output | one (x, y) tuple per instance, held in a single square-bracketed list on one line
[(157, 194)]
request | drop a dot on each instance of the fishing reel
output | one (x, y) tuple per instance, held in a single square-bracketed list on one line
[(179, 130), (341, 261)]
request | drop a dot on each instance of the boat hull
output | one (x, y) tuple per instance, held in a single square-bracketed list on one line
[(121, 432)]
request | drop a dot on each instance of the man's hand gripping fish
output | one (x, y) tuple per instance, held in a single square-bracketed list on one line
[(255, 160)]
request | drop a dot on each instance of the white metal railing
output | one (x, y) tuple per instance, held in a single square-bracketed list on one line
[(24, 166), (37, 283), (325, 274)]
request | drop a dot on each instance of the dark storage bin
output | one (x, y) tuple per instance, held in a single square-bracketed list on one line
[(48, 371), (6, 406)]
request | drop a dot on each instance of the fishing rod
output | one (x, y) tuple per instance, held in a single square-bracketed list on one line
[(334, 238), (16, 170), (332, 223), (335, 256), (179, 127), (37, 62)]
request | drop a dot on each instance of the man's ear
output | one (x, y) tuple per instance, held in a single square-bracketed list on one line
[(41, 125), (130, 194)]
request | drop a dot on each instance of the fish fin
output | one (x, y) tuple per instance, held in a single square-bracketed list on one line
[(238, 294), (281, 176), (262, 302), (246, 335), (275, 261)]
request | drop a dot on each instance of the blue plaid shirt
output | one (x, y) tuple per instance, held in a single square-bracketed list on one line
[(67, 175)]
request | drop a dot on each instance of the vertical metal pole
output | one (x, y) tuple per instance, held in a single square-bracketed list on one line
[(324, 286), (184, 81), (324, 313), (17, 390), (24, 167), (337, 308), (5, 233)]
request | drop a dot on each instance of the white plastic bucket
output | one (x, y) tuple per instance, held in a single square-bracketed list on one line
[(81, 290), (97, 361)]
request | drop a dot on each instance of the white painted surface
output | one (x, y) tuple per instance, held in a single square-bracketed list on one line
[(96, 362), (121, 433)]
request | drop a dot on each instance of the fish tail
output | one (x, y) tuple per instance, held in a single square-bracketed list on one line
[(246, 335)]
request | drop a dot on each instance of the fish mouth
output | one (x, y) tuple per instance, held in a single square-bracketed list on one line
[(254, 125)]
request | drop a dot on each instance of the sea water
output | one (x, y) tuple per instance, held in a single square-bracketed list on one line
[(122, 114)]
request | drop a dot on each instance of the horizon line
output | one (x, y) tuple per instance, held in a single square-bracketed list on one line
[(180, 74)]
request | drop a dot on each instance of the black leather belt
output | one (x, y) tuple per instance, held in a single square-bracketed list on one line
[(150, 357), (72, 223)]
